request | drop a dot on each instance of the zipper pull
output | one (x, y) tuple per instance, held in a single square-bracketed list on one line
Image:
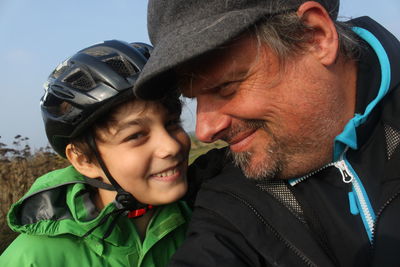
[(353, 204), (346, 177)]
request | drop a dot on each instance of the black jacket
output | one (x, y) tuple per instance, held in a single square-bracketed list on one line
[(345, 214)]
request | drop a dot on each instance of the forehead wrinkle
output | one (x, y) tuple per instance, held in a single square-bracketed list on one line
[(212, 80)]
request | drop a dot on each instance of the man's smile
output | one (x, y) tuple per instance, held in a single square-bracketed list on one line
[(242, 141)]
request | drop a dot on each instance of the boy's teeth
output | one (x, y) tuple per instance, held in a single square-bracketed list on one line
[(166, 173)]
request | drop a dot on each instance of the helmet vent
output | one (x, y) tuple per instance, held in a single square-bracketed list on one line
[(121, 66), (57, 72), (80, 80), (96, 52)]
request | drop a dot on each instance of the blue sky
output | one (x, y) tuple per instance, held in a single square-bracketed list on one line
[(37, 35)]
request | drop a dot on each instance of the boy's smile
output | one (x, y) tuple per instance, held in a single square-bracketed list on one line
[(168, 175)]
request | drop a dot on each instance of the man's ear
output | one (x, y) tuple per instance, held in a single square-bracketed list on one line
[(81, 163), (324, 42)]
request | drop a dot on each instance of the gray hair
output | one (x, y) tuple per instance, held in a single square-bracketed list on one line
[(287, 35)]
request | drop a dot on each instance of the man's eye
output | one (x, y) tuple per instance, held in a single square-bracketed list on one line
[(227, 89)]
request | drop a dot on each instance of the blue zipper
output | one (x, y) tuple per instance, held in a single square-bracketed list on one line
[(359, 203), (358, 198)]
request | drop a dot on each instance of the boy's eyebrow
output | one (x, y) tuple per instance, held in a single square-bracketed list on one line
[(134, 122)]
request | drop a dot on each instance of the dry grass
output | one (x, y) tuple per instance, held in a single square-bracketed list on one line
[(19, 167)]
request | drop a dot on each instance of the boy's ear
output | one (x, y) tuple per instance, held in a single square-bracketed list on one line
[(325, 41), (81, 163)]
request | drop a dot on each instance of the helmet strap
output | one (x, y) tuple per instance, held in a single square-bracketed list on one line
[(99, 184), (123, 198)]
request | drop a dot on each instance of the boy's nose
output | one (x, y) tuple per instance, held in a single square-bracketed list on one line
[(167, 146)]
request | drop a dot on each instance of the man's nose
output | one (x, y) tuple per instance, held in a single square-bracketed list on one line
[(211, 122)]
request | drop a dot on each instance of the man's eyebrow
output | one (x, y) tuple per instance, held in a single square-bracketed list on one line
[(185, 81), (237, 75)]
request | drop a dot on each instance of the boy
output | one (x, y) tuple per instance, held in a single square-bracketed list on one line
[(117, 205)]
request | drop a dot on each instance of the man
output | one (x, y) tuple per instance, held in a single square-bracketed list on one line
[(308, 106)]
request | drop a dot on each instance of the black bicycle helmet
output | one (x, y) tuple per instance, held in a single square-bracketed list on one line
[(87, 85), (83, 88)]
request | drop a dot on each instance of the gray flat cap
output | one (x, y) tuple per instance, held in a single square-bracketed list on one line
[(181, 30)]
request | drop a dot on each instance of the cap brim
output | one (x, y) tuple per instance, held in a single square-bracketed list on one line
[(193, 41)]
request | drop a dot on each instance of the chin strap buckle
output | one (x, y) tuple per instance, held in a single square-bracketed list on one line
[(139, 212)]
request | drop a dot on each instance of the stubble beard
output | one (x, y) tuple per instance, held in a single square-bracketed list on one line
[(271, 164), (285, 156), (266, 169)]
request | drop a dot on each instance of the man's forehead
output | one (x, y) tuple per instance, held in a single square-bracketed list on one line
[(203, 79), (197, 82), (221, 65)]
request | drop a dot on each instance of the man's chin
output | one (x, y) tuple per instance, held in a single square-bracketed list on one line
[(254, 168), (259, 172)]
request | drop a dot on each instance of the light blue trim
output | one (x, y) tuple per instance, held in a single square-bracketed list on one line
[(353, 204), (349, 137), (369, 228)]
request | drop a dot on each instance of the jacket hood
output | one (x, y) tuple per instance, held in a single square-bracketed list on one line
[(59, 205), (58, 202)]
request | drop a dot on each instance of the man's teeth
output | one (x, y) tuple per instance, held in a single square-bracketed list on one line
[(166, 173)]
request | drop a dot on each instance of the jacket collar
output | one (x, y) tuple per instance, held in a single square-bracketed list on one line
[(371, 89)]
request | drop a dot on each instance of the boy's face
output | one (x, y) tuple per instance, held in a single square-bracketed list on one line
[(146, 151)]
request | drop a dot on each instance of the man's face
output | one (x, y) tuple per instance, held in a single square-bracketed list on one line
[(279, 120)]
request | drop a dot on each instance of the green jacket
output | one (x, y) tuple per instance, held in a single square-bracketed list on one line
[(57, 211)]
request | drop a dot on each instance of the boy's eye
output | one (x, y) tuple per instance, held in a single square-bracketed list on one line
[(135, 136)]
